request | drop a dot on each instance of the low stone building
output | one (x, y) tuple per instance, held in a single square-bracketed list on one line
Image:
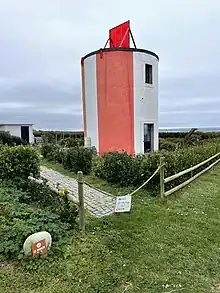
[(24, 131)]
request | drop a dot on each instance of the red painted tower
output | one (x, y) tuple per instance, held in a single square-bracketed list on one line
[(120, 95)]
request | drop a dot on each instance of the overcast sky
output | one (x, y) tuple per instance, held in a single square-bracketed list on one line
[(42, 41)]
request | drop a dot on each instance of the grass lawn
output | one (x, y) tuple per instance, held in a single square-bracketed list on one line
[(170, 246)]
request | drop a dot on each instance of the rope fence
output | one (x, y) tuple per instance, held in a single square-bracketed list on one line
[(161, 170)]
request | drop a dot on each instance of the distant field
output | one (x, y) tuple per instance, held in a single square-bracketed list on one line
[(162, 129), (185, 129)]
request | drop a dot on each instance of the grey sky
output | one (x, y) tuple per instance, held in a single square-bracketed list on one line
[(42, 42)]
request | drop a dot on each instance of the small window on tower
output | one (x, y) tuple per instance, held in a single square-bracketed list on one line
[(148, 74)]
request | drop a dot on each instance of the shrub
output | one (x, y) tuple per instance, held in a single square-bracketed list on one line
[(165, 144), (53, 152), (19, 161), (97, 166), (19, 220), (57, 154), (71, 142), (187, 157), (78, 159), (43, 197), (18, 141), (74, 159), (47, 151), (116, 168), (125, 170), (10, 140), (6, 138)]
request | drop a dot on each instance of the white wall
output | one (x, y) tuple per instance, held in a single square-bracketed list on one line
[(145, 99), (16, 131), (13, 129), (91, 100), (31, 134)]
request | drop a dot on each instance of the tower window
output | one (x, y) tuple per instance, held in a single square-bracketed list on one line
[(148, 74)]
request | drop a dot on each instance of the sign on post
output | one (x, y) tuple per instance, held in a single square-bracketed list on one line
[(123, 204), (39, 247)]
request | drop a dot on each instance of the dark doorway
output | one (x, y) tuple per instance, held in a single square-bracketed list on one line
[(148, 137), (25, 133)]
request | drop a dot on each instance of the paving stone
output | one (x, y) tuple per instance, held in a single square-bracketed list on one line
[(97, 202)]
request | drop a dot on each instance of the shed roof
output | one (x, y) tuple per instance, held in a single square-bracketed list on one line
[(17, 124)]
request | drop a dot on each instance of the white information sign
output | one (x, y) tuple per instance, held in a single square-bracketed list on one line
[(123, 204)]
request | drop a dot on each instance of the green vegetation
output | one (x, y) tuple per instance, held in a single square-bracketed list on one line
[(159, 247), (19, 161), (200, 135), (168, 140), (74, 159), (65, 138), (41, 196), (90, 178), (19, 220), (131, 171), (125, 170), (28, 206), (176, 140), (7, 139)]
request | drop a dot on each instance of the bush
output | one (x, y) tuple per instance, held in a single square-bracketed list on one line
[(116, 168), (10, 140), (125, 170), (71, 142), (19, 220), (18, 141), (59, 154), (47, 151), (53, 152), (78, 159), (74, 159), (19, 161), (186, 158), (43, 197), (165, 144)]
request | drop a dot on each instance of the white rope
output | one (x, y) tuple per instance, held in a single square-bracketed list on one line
[(136, 190)]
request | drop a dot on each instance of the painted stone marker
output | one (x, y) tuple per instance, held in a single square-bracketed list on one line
[(37, 243), (123, 204)]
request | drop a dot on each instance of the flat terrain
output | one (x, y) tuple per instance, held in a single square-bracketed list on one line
[(170, 246)]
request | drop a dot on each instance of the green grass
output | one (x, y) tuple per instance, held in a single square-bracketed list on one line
[(159, 247)]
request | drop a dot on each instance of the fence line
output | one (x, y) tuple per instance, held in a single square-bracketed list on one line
[(171, 178), (190, 169)]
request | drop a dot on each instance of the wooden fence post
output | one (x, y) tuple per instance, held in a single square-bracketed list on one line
[(162, 164), (81, 202)]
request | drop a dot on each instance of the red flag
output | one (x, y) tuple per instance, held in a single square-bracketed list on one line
[(120, 35)]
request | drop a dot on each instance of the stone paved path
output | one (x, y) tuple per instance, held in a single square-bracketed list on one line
[(98, 203)]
